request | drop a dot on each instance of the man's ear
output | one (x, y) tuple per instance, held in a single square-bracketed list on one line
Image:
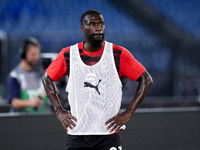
[(82, 29)]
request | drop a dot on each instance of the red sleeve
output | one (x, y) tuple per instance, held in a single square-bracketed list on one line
[(58, 68), (129, 66)]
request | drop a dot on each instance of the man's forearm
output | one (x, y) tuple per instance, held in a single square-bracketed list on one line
[(18, 103), (64, 117), (145, 82), (115, 123), (51, 92)]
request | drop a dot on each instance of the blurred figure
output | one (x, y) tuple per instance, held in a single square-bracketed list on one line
[(24, 86)]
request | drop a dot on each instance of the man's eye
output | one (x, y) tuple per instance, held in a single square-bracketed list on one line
[(91, 24)]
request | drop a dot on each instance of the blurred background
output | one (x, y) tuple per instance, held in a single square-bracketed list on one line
[(163, 35)]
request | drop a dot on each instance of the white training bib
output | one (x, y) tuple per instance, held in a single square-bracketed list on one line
[(95, 92)]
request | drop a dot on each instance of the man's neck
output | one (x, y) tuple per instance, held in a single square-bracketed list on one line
[(92, 48), (26, 66)]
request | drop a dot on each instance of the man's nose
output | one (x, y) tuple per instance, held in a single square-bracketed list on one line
[(98, 27)]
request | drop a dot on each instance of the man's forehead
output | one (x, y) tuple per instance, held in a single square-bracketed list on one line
[(93, 17)]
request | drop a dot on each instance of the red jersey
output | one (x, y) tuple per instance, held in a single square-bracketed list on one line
[(126, 64)]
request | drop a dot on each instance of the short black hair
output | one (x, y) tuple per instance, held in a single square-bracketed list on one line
[(89, 12)]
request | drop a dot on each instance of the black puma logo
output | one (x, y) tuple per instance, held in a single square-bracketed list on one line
[(87, 84)]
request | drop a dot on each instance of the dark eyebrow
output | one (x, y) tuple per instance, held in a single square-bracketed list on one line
[(95, 21)]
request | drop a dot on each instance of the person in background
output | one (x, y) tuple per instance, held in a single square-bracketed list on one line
[(24, 86)]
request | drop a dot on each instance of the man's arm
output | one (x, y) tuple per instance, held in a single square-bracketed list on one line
[(145, 81), (18, 103), (64, 117), (13, 93)]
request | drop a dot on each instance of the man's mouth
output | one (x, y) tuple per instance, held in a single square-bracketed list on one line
[(98, 35)]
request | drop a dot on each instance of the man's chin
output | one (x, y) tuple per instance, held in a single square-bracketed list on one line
[(33, 65), (97, 42)]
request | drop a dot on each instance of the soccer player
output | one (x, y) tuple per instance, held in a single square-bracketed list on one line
[(95, 68)]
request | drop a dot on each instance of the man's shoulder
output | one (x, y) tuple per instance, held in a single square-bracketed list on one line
[(15, 71), (66, 50), (119, 49)]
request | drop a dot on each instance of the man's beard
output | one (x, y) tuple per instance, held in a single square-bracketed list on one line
[(31, 64), (94, 41)]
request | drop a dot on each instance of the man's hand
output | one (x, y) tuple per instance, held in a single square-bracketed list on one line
[(35, 102), (66, 119), (115, 123), (145, 81)]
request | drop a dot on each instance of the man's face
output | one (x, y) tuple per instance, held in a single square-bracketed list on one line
[(33, 55), (94, 28)]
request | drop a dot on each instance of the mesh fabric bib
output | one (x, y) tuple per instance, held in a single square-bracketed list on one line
[(95, 92)]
